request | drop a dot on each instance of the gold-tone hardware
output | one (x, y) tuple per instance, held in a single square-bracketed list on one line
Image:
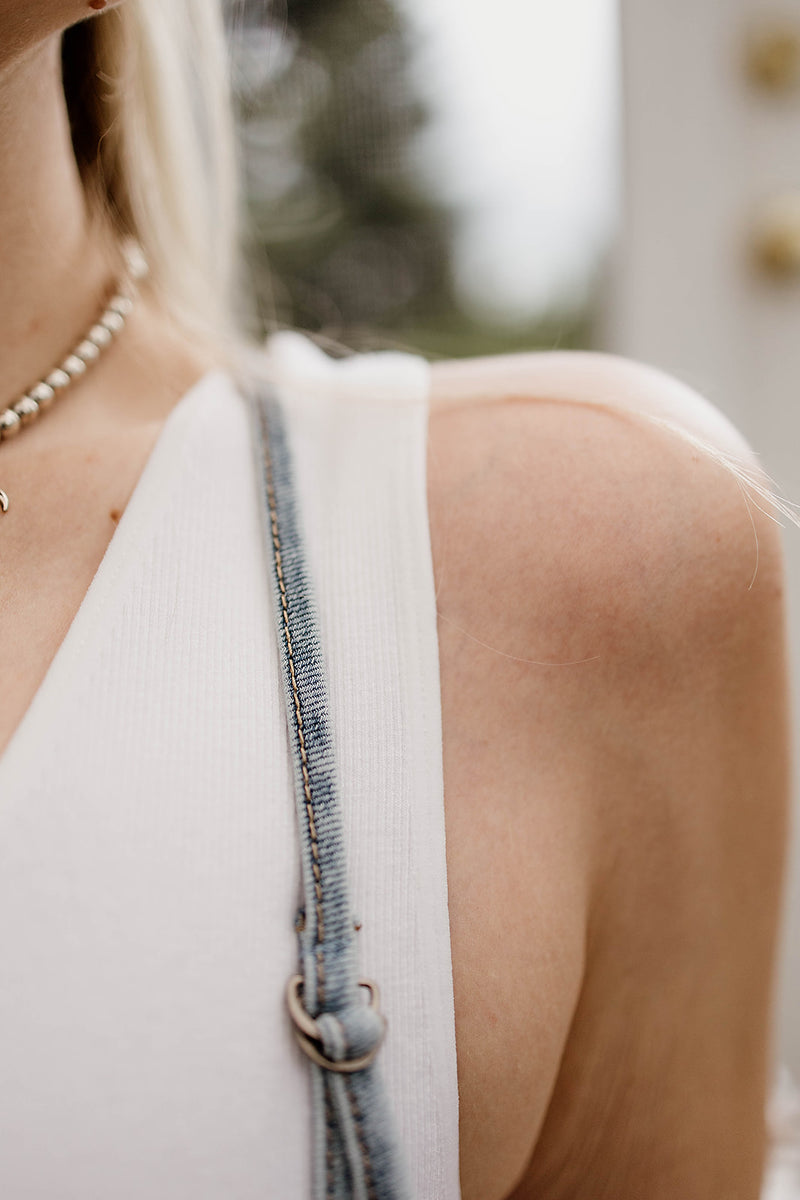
[(297, 1011), (777, 237), (307, 1033), (348, 1067), (773, 56)]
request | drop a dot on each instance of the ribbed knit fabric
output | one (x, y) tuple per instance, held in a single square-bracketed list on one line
[(148, 850)]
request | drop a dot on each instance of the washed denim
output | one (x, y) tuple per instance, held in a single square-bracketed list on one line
[(355, 1149)]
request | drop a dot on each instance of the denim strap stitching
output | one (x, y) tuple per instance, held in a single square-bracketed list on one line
[(359, 1124), (312, 827), (357, 1157), (329, 1194)]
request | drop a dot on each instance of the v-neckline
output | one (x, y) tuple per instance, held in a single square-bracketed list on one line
[(136, 513)]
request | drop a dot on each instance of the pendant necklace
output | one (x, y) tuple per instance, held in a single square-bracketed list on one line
[(109, 324)]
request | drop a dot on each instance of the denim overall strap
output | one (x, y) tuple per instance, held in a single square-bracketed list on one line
[(336, 1015)]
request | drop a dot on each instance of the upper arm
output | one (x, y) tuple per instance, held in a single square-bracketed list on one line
[(661, 1090), (636, 556)]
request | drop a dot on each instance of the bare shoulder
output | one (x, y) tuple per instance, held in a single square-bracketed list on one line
[(613, 666), (557, 455)]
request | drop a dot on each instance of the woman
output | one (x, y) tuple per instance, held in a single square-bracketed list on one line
[(612, 706)]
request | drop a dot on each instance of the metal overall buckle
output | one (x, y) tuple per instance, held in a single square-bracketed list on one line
[(307, 1032)]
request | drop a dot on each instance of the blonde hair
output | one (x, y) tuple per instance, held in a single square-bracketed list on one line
[(147, 89)]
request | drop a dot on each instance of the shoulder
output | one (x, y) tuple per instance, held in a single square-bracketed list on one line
[(583, 378), (613, 679), (563, 466), (569, 533)]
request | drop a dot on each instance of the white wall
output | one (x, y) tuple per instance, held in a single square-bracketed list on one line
[(704, 148)]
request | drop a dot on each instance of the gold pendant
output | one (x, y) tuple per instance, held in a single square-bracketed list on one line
[(3, 502)]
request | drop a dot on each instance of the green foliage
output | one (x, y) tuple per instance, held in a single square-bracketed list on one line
[(344, 240)]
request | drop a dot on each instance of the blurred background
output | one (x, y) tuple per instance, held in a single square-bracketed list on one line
[(423, 175), (462, 178)]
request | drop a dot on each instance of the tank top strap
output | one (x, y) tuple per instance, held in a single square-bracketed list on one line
[(383, 378), (355, 1150), (356, 432)]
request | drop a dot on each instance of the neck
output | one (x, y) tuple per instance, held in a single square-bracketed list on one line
[(54, 267)]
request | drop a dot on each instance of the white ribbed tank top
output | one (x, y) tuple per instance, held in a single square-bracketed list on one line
[(148, 851)]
